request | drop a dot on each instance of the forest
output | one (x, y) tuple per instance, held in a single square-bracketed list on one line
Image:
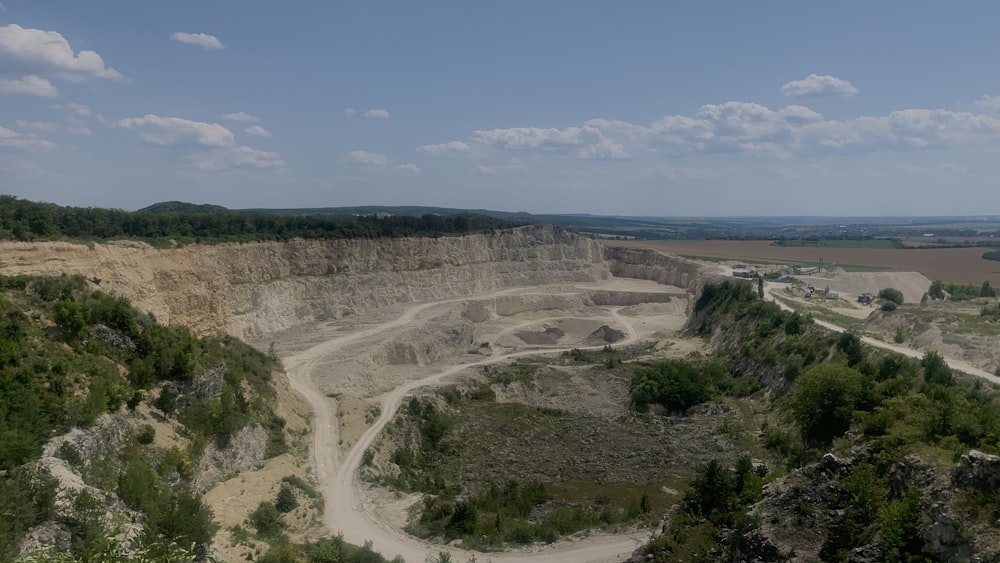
[(160, 225)]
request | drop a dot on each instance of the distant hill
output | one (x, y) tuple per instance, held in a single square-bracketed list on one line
[(182, 207)]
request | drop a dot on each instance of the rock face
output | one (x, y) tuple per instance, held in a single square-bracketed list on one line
[(251, 289), (645, 264), (248, 290), (977, 470)]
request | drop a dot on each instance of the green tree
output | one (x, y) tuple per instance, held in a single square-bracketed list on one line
[(891, 294), (266, 519), (901, 541), (986, 290), (936, 371), (823, 401), (850, 344), (936, 290), (286, 501)]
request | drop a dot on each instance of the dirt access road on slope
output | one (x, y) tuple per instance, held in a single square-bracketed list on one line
[(953, 363), (347, 510)]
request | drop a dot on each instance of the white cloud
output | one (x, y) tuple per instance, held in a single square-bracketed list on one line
[(410, 167), (349, 112), (236, 158), (370, 159), (23, 142), (377, 113), (453, 148), (29, 51), (199, 39), (586, 143), (744, 128), (79, 109), (257, 131), (30, 85), (511, 166), (166, 131), (240, 116), (816, 85)]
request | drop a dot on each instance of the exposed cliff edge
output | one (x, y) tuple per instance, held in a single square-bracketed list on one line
[(248, 290), (645, 264), (252, 289)]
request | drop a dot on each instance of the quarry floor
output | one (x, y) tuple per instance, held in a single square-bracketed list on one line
[(355, 372)]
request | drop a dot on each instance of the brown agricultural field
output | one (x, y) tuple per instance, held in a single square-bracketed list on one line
[(962, 265)]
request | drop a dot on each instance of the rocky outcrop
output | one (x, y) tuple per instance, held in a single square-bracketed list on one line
[(977, 470)]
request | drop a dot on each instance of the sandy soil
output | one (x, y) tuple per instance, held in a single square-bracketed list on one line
[(336, 358)]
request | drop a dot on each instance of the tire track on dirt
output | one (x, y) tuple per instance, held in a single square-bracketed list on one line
[(345, 509)]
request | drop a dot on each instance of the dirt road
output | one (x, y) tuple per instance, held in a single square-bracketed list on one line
[(953, 363), (345, 509)]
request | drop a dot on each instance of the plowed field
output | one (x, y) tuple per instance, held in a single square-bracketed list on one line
[(963, 265)]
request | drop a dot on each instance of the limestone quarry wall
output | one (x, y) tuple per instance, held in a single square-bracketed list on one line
[(250, 289), (646, 264)]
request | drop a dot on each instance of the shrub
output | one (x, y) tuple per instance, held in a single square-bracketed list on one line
[(286, 501), (823, 401), (146, 434), (891, 294), (266, 519)]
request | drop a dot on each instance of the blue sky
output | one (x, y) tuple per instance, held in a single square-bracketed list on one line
[(631, 108)]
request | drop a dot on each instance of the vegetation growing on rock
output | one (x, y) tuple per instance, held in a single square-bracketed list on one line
[(70, 354)]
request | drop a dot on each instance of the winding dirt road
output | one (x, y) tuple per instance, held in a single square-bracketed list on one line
[(345, 508), (346, 511), (953, 363)]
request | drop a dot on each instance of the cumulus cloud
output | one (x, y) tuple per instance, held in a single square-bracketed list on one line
[(817, 85), (236, 158), (240, 116), (453, 148), (257, 131), (166, 131), (377, 113), (744, 128), (586, 143), (369, 159), (28, 51), (23, 141), (30, 85), (199, 39)]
